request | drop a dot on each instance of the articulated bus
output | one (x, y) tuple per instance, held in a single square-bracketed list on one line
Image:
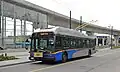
[(60, 44)]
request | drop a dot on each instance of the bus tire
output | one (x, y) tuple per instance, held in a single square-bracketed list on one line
[(64, 57), (89, 53)]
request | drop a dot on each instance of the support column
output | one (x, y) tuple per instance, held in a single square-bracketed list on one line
[(2, 12), (32, 28), (25, 15), (116, 40), (96, 42), (14, 27), (0, 16), (47, 21), (24, 30), (21, 27), (103, 39), (5, 26), (24, 26)]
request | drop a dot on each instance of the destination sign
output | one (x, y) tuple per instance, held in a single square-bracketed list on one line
[(43, 33)]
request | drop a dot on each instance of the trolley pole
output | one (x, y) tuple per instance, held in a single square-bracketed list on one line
[(70, 19)]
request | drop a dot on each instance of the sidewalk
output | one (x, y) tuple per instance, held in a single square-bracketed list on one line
[(103, 49), (15, 62), (21, 54), (17, 54)]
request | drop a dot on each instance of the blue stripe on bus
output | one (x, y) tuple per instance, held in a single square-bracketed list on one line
[(70, 53), (58, 56)]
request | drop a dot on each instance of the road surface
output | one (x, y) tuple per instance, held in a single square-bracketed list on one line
[(103, 61)]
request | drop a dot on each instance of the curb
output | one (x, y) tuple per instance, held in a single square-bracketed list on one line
[(12, 51), (15, 64)]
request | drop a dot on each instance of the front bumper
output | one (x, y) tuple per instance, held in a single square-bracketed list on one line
[(42, 59)]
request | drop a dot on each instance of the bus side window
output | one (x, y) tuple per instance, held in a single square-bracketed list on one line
[(80, 43), (77, 43), (90, 44), (65, 41), (84, 43), (58, 42), (73, 43), (93, 43)]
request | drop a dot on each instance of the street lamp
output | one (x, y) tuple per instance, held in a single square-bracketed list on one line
[(111, 33)]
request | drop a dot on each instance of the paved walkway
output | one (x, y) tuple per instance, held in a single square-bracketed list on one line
[(17, 54), (22, 60), (22, 54), (103, 49)]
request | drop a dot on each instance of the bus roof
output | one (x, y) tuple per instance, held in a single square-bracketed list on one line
[(66, 31)]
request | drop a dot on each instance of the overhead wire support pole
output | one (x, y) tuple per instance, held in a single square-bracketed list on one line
[(70, 19), (80, 23)]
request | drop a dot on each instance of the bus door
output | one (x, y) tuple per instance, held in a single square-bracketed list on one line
[(85, 48), (34, 44)]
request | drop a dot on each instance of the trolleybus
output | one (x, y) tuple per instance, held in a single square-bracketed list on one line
[(60, 44)]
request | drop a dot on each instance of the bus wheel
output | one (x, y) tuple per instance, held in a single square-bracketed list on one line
[(89, 53), (64, 57)]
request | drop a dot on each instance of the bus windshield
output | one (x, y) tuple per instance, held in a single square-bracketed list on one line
[(43, 43)]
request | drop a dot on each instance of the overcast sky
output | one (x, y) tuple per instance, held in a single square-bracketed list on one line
[(107, 12)]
